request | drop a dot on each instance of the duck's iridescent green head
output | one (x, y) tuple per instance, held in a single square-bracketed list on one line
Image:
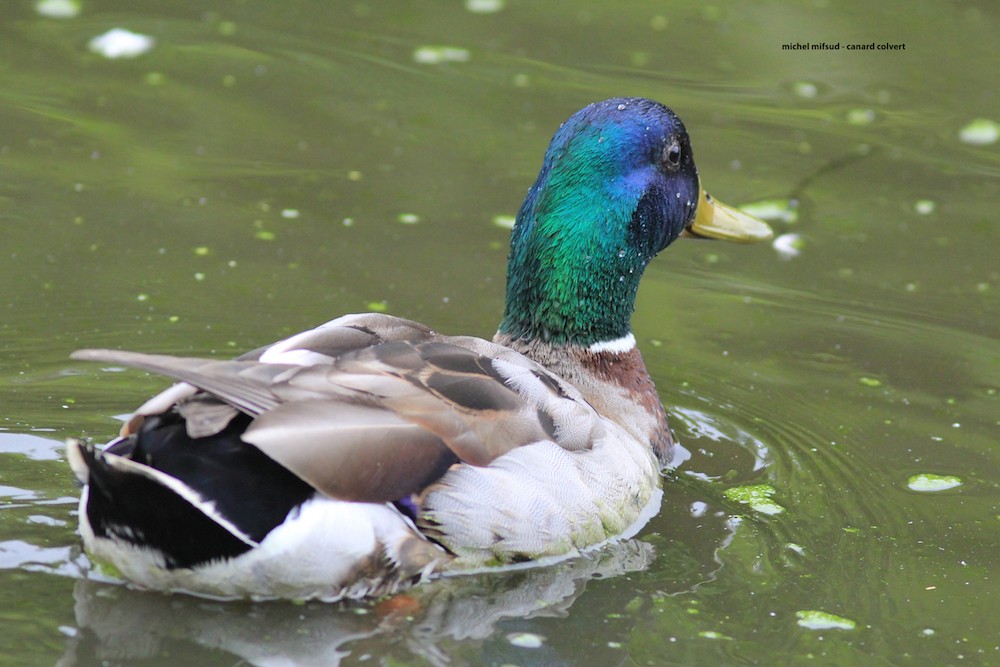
[(618, 184)]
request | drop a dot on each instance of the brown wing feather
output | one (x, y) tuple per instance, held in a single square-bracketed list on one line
[(351, 452), (242, 384), (377, 422)]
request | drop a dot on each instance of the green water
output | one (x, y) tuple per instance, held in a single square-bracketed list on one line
[(268, 166)]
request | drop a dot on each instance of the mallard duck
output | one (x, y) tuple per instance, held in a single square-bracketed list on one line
[(373, 452)]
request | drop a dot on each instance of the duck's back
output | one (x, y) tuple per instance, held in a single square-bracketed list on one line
[(429, 452)]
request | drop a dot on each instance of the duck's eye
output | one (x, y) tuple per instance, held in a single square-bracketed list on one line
[(672, 156)]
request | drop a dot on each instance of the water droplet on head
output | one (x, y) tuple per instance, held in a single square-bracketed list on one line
[(621, 253), (621, 107)]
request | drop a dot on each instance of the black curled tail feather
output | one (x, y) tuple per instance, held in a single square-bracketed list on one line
[(244, 486), (124, 505), (191, 500)]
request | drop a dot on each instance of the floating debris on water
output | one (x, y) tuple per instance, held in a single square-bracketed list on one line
[(121, 43), (788, 245), (484, 6), (408, 218), (924, 206), (812, 619), (526, 639), (870, 382), (805, 89), (773, 210), (860, 117), (980, 132), (505, 221), (435, 55), (378, 306), (929, 483), (58, 9), (290, 213), (757, 496)]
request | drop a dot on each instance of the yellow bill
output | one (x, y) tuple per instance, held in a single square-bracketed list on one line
[(715, 220)]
